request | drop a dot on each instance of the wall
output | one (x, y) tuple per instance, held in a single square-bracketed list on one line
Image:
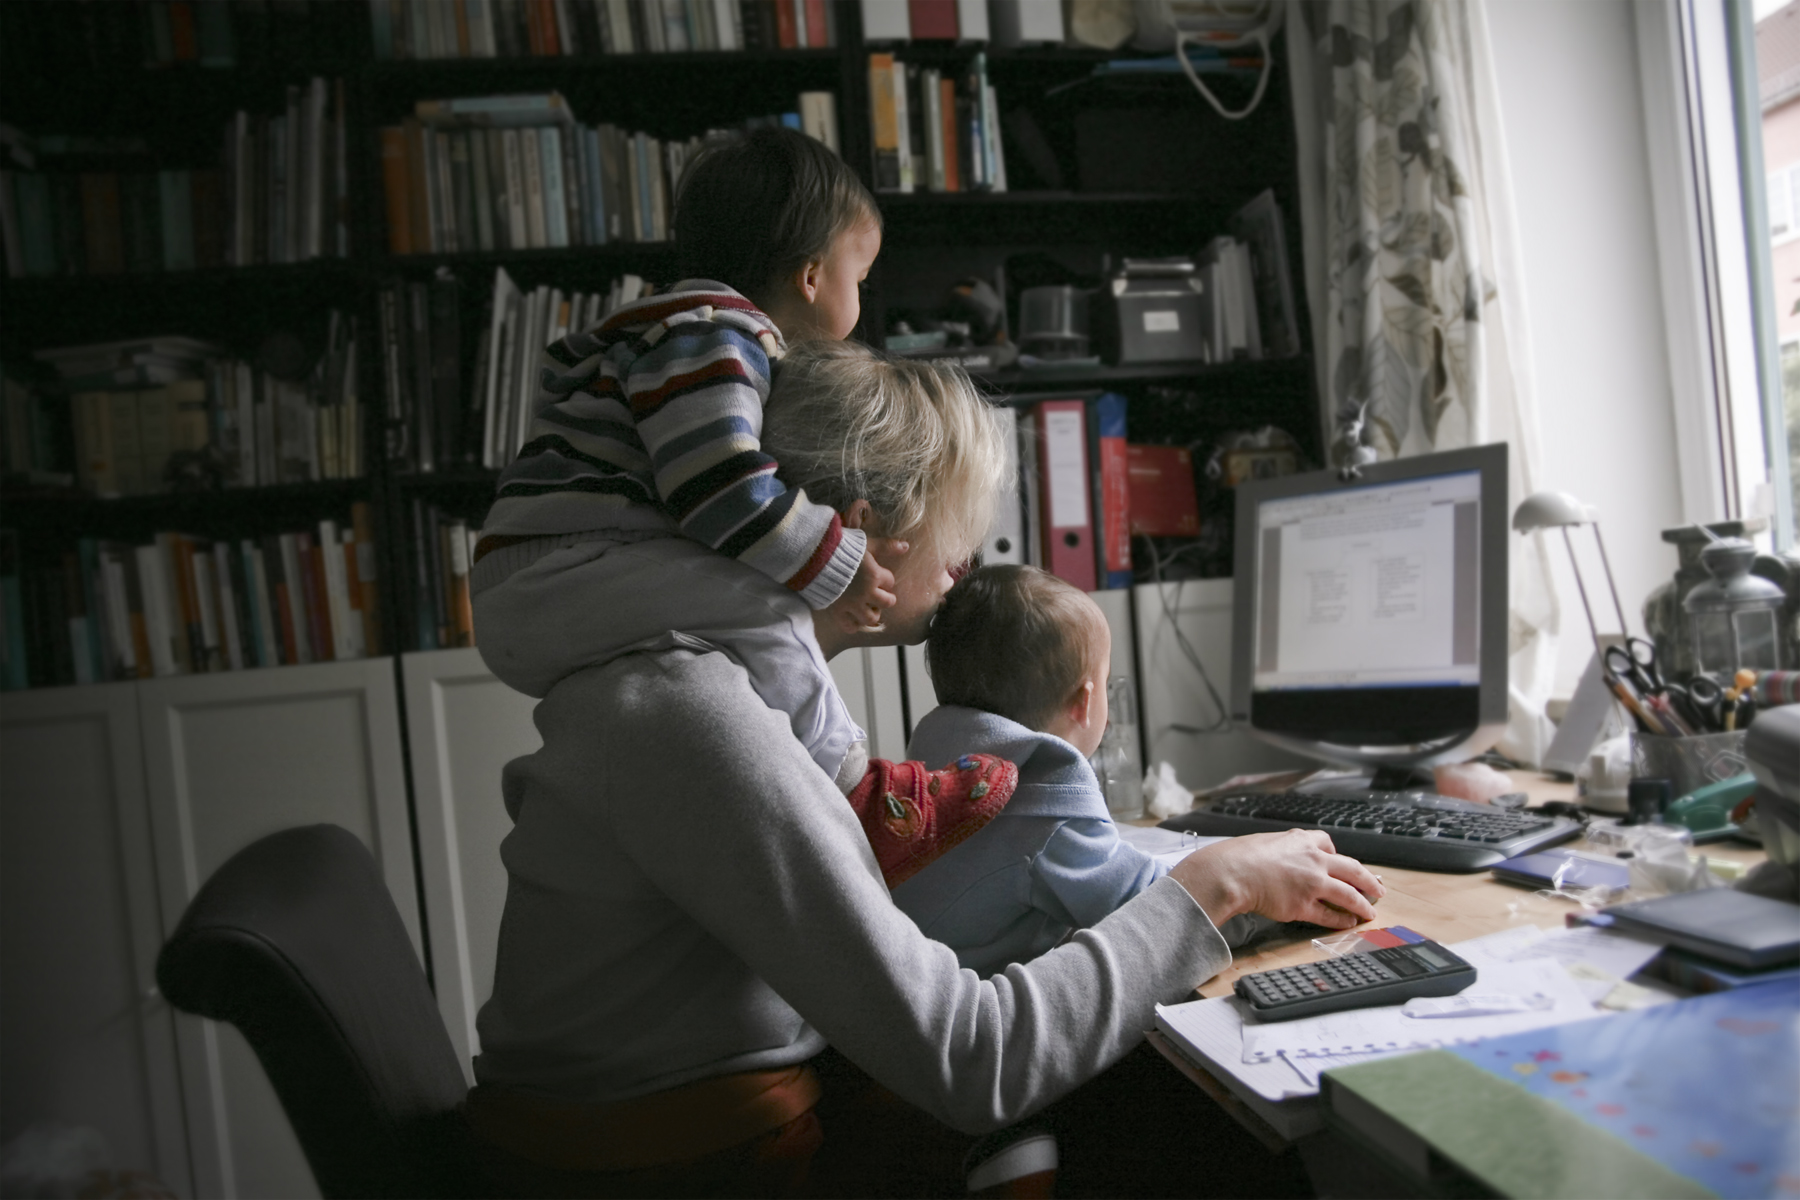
[(1574, 128)]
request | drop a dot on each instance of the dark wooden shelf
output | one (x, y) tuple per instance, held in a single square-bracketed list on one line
[(1046, 379), (205, 278), (1122, 222), (657, 253), (381, 69), (1022, 199), (460, 476), (280, 493)]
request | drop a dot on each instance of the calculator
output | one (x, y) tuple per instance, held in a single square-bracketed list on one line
[(1392, 975)]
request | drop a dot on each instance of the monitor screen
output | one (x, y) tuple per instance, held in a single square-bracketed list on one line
[(1371, 612), (1370, 586)]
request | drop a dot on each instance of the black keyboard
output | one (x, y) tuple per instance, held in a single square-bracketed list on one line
[(1397, 829)]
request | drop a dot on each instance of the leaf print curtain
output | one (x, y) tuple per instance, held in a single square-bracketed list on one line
[(1412, 266)]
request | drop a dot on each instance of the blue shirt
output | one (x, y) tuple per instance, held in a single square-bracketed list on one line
[(1050, 862)]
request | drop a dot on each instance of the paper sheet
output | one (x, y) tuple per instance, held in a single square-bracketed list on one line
[(1215, 1030), (1598, 959), (1166, 846), (1386, 1029)]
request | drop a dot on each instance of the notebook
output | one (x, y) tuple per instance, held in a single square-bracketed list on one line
[(1579, 870), (1720, 923), (1694, 1098)]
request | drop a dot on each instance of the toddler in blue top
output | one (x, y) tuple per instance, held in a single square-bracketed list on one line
[(1019, 660)]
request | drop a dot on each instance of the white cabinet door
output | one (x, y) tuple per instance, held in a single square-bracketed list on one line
[(463, 726), (232, 757), (84, 1040), (869, 681)]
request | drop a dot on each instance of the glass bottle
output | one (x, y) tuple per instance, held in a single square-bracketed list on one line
[(1118, 762)]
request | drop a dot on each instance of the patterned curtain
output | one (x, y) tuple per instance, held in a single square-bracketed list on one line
[(1412, 268)]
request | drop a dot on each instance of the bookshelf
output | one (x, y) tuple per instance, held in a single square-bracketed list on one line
[(1130, 166), (1135, 167)]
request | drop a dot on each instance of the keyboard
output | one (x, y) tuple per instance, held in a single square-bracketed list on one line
[(1414, 829)]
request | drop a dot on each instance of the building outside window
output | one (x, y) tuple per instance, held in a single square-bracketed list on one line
[(1778, 89)]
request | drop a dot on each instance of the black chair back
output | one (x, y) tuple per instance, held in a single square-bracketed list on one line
[(296, 941)]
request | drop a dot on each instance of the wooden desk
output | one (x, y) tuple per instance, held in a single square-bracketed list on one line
[(1445, 908)]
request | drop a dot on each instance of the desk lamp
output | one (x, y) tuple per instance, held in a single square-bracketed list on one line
[(1559, 510)]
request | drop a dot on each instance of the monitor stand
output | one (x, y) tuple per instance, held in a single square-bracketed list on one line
[(1402, 779)]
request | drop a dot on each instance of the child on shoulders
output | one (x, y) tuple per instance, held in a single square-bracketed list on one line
[(643, 511)]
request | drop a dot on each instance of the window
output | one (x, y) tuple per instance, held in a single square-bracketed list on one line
[(1767, 107)]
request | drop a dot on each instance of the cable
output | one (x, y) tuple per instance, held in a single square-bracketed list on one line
[(1222, 723)]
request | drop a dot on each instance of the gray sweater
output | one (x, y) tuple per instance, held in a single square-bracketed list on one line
[(689, 896)]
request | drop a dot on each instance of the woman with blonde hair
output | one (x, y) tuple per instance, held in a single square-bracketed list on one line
[(695, 916)]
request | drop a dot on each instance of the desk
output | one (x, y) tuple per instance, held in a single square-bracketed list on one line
[(1445, 908)]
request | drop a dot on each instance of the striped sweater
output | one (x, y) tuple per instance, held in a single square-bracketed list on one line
[(653, 420)]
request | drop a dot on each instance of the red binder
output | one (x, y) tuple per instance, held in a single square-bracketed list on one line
[(1065, 486), (933, 19)]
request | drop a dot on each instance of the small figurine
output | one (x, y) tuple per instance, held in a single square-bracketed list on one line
[(1349, 450)]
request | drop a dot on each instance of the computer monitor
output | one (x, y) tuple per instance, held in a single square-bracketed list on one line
[(1370, 613)]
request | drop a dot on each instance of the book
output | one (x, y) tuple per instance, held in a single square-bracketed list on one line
[(1731, 927), (537, 108), (1258, 226), (1561, 868), (933, 18), (1695, 973), (1693, 1098), (1163, 502), (1022, 22), (885, 116), (885, 21)]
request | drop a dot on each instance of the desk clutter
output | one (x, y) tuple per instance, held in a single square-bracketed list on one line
[(1683, 1086)]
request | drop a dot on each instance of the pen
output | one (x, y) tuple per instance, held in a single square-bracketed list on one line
[(1666, 712)]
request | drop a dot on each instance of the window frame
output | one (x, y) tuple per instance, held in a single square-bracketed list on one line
[(1709, 191)]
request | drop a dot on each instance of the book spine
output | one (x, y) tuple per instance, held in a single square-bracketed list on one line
[(420, 412), (532, 164), (461, 616), (397, 184), (330, 552), (77, 621), (207, 600), (556, 204), (159, 623), (269, 641), (291, 594), (125, 627), (100, 632)]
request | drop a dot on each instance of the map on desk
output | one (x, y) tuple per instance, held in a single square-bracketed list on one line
[(1709, 1087)]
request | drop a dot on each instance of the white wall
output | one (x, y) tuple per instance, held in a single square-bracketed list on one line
[(1569, 93)]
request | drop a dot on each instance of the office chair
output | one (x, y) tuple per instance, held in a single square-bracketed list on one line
[(295, 941)]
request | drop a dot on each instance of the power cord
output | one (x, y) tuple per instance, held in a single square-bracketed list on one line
[(1221, 723)]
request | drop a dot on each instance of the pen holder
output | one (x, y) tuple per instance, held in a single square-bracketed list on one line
[(1688, 763)]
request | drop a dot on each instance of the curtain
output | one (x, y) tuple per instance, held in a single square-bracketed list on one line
[(1413, 276)]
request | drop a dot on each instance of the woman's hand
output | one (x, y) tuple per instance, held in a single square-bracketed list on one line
[(1292, 876), (871, 592)]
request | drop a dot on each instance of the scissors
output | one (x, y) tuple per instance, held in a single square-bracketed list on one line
[(1635, 663), (1701, 700)]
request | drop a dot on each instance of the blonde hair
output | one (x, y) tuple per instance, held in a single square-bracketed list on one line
[(1012, 640), (914, 439)]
